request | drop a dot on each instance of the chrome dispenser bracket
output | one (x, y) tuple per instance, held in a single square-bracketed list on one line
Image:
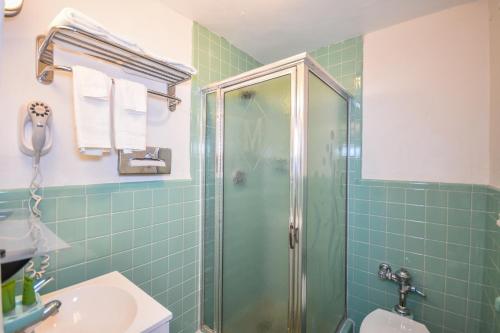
[(151, 161)]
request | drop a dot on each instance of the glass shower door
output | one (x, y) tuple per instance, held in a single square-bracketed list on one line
[(326, 207), (256, 206)]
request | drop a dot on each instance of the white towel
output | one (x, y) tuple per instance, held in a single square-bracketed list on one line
[(129, 115), (91, 98), (74, 18)]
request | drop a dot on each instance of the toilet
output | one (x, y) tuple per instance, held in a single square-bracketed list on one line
[(384, 321)]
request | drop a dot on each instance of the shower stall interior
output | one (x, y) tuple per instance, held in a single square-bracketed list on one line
[(275, 201)]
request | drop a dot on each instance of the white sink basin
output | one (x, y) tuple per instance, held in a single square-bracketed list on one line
[(109, 303)]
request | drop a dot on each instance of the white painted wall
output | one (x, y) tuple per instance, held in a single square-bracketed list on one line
[(1, 22), (495, 93), (426, 98), (150, 23)]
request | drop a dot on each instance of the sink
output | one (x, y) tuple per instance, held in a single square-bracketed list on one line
[(109, 303), (80, 313)]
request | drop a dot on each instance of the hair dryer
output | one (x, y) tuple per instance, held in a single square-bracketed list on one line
[(39, 114)]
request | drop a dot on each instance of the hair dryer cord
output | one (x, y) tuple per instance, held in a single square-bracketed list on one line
[(36, 214)]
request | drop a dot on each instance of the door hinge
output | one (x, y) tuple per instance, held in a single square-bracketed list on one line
[(293, 237)]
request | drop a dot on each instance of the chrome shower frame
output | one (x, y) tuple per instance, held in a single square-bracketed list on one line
[(298, 67)]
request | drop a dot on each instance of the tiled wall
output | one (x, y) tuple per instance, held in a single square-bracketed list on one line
[(216, 59), (445, 234), (491, 261), (149, 231)]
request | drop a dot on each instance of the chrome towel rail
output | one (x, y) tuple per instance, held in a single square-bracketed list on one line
[(51, 68), (132, 61)]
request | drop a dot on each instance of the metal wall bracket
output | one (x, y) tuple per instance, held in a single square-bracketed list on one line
[(172, 104), (44, 76)]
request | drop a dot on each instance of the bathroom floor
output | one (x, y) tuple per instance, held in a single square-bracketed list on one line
[(263, 317)]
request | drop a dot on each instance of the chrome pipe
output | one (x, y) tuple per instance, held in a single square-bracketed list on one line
[(40, 284), (51, 308)]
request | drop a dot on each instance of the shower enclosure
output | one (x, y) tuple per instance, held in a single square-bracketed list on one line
[(275, 201)]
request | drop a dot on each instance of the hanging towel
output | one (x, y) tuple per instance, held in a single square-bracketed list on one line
[(91, 97), (129, 115), (73, 18)]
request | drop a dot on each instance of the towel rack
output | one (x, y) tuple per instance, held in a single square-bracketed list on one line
[(83, 42), (173, 100)]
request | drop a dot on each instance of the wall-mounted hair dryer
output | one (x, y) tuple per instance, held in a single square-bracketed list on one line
[(39, 114)]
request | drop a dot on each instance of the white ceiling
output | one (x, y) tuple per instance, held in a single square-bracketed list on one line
[(273, 29)]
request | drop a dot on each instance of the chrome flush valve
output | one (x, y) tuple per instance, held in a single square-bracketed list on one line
[(403, 278), (384, 271)]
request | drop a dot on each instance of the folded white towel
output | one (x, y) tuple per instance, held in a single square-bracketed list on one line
[(74, 18), (172, 62), (91, 99), (129, 115)]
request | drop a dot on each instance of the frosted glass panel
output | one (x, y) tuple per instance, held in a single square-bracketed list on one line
[(326, 207), (255, 273)]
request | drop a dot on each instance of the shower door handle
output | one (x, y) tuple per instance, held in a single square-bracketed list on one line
[(292, 235)]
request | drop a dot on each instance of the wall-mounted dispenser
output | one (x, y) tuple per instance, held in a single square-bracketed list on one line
[(153, 160)]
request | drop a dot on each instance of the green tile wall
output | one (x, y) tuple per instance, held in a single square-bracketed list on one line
[(216, 59), (445, 234), (491, 260), (149, 231)]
